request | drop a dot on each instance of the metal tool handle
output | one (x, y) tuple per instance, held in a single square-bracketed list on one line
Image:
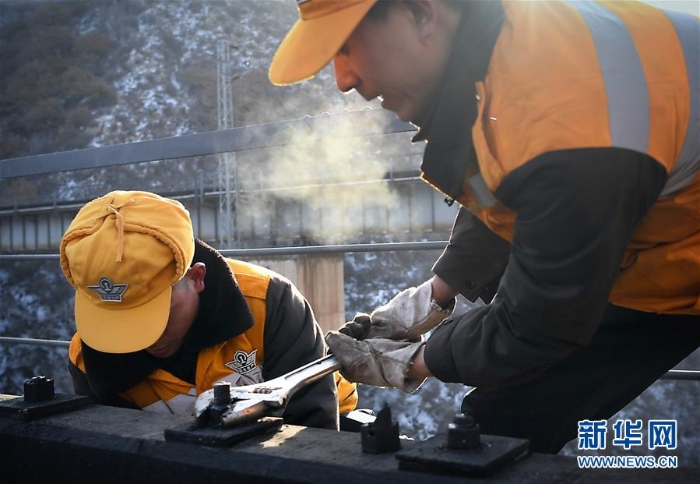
[(268, 397), (275, 393), (288, 383)]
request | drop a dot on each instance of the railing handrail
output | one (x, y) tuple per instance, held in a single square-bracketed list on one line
[(33, 341), (303, 250), (366, 122), (284, 251)]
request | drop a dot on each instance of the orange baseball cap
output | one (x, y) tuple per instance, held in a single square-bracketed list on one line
[(122, 253), (322, 29)]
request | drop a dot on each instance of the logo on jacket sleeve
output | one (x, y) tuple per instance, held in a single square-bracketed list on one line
[(108, 290), (243, 362)]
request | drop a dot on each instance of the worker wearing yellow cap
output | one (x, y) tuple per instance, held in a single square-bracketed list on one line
[(161, 316), (569, 134)]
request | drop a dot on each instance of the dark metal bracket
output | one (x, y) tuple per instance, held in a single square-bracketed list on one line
[(434, 455), (16, 407), (463, 450), (219, 436)]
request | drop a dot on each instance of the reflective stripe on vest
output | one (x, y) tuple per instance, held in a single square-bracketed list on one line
[(567, 75), (181, 404), (627, 90), (625, 83), (480, 191), (688, 164)]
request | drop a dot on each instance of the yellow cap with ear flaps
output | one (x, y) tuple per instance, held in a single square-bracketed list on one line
[(122, 253)]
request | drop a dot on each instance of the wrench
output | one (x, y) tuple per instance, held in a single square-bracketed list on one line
[(231, 405)]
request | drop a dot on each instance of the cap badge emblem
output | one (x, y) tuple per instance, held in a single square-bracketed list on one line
[(108, 290)]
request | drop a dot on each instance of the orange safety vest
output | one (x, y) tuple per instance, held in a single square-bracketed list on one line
[(236, 360), (569, 74)]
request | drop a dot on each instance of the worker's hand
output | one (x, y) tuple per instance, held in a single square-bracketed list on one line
[(410, 314), (358, 327), (378, 362)]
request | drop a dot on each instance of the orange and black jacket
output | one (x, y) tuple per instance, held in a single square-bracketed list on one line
[(252, 325), (569, 133)]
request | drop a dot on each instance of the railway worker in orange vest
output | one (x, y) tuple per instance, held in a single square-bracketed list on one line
[(569, 134), (161, 316)]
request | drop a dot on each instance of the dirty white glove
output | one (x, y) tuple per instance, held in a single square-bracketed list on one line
[(411, 313), (378, 362)]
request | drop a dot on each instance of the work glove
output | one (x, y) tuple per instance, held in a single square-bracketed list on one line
[(410, 314), (378, 362)]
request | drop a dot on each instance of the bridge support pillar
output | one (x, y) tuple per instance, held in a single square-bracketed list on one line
[(320, 278)]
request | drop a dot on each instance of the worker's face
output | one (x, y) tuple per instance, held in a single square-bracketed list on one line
[(394, 59), (184, 305)]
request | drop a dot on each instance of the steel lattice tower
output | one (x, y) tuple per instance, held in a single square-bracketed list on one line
[(227, 161)]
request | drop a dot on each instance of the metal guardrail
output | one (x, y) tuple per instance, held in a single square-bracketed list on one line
[(366, 122), (693, 375), (28, 223), (284, 251), (682, 375), (34, 341)]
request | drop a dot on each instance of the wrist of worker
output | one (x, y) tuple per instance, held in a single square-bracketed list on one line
[(442, 293), (418, 370)]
